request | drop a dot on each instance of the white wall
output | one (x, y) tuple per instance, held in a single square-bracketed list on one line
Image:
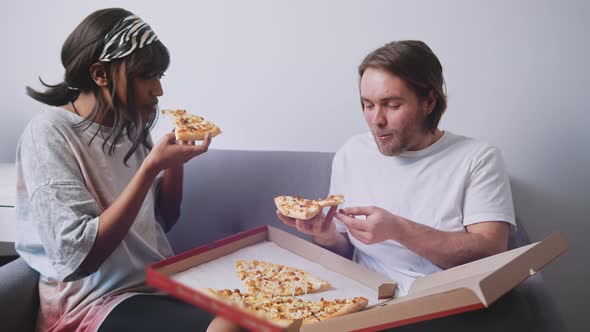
[(281, 75)]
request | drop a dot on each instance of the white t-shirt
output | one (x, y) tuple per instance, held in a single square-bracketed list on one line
[(455, 182), (64, 183)]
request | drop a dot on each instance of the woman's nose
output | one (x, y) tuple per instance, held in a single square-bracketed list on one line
[(157, 90)]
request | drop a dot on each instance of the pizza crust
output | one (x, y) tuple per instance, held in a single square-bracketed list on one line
[(195, 136), (356, 304)]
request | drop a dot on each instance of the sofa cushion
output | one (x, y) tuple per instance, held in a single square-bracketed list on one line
[(19, 296)]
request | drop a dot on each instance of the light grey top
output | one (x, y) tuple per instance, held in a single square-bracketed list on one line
[(64, 182)]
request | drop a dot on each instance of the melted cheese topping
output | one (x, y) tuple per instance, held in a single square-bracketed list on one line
[(287, 308)]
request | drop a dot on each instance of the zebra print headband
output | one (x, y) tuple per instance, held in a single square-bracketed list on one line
[(128, 35)]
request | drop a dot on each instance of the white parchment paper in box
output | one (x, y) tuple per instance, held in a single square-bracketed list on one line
[(221, 273)]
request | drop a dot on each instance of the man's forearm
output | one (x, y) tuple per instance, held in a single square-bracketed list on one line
[(339, 244), (448, 249)]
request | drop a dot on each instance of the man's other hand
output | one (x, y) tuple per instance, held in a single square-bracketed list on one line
[(379, 225)]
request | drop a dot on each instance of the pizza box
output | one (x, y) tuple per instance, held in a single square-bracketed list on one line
[(471, 286)]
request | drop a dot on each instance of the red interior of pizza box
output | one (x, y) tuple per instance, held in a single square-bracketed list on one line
[(467, 287)]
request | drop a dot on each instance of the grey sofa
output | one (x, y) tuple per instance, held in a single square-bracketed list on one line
[(226, 192)]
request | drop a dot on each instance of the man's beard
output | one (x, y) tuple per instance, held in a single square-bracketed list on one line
[(397, 143)]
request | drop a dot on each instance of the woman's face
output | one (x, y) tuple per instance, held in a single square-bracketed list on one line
[(146, 90)]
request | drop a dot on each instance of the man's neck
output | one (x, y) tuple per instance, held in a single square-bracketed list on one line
[(427, 140)]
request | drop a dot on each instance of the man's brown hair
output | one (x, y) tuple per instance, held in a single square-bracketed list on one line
[(415, 63)]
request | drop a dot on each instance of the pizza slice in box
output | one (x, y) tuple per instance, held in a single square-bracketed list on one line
[(272, 279), (305, 209), (284, 310), (190, 127)]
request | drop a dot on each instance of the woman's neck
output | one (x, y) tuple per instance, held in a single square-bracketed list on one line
[(84, 105)]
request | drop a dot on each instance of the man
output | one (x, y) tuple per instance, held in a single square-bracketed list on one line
[(418, 199)]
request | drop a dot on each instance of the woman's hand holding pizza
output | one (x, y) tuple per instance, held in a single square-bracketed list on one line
[(167, 153)]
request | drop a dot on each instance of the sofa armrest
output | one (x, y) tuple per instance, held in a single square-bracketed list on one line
[(541, 304), (19, 296)]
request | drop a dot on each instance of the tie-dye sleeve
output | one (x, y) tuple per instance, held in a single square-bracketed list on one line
[(56, 202)]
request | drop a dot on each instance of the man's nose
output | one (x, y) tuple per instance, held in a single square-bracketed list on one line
[(379, 119)]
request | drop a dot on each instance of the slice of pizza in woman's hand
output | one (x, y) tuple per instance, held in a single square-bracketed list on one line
[(305, 209), (189, 127)]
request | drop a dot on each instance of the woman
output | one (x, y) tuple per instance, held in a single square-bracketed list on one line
[(94, 196)]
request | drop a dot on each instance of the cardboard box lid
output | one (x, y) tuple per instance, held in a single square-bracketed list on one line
[(467, 287), (491, 277)]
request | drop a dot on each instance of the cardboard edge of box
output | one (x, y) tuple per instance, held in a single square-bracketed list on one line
[(468, 287), (471, 286)]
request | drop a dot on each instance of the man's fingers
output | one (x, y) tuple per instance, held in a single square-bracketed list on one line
[(303, 226), (287, 220), (324, 222), (358, 210), (351, 222), (330, 214)]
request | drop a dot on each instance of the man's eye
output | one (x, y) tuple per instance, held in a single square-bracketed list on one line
[(369, 107), (393, 106)]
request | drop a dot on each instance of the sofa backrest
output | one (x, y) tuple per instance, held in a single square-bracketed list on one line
[(230, 191)]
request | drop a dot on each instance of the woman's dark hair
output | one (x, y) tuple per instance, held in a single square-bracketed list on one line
[(415, 63), (79, 52)]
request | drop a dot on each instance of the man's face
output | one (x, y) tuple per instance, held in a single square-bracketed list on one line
[(393, 112)]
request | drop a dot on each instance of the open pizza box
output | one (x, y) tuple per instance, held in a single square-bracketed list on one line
[(467, 287)]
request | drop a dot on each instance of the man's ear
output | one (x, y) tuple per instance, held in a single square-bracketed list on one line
[(99, 74), (429, 102)]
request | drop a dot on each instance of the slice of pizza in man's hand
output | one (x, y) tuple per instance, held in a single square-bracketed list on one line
[(305, 209), (189, 127)]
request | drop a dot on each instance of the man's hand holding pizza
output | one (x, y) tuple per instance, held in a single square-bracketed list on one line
[(323, 230), (321, 226)]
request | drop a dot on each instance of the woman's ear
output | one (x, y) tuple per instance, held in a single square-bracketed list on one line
[(99, 74)]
